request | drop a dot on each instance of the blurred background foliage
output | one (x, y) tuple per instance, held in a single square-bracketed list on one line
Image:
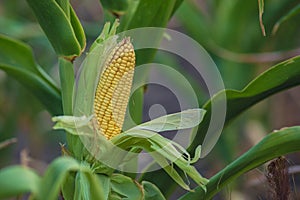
[(228, 29)]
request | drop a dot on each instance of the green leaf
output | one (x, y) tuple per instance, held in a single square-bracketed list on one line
[(278, 78), (293, 12), (117, 7), (61, 25), (77, 28), (105, 181), (145, 13), (176, 6), (16, 59), (164, 151), (67, 79), (181, 120), (96, 188), (87, 185), (152, 192), (126, 187), (169, 169), (68, 186), (81, 187), (18, 180), (55, 176), (92, 67), (276, 144), (60, 176), (202, 31)]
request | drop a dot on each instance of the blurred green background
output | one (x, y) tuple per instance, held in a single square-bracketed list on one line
[(229, 30)]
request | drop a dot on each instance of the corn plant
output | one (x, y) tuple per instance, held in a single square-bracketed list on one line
[(100, 158)]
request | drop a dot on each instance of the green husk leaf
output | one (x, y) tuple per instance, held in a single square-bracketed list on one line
[(126, 187), (92, 67), (152, 192), (68, 186), (81, 187), (163, 151), (105, 181), (181, 120), (87, 185), (55, 176), (96, 187), (169, 169)]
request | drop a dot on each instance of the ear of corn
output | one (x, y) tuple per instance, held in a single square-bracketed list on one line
[(113, 89)]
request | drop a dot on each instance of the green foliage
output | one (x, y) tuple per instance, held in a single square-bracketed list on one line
[(293, 12), (121, 185), (265, 85), (86, 184), (141, 137), (152, 192), (24, 181), (268, 83), (272, 146), (118, 7), (61, 25), (16, 59), (79, 175)]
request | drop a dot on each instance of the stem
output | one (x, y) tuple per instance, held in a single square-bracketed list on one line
[(67, 79)]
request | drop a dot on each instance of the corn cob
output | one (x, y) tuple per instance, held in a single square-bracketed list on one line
[(113, 89)]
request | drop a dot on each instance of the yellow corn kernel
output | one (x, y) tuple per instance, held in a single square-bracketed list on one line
[(113, 89)]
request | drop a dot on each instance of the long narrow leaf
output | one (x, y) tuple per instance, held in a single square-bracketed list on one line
[(126, 187), (49, 97), (145, 13), (18, 180), (278, 78), (276, 144), (88, 186), (293, 12), (164, 151), (152, 192), (55, 176), (16, 59), (57, 23)]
